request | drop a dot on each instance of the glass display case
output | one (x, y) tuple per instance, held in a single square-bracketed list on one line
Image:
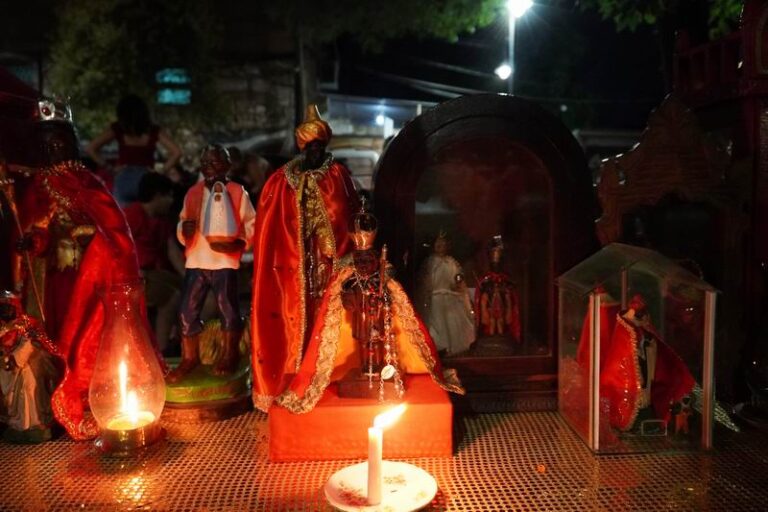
[(636, 352), (501, 250), (483, 201)]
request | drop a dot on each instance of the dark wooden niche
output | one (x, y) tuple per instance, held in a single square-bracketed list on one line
[(479, 167)]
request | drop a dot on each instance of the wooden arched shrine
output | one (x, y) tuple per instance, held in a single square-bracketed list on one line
[(487, 166)]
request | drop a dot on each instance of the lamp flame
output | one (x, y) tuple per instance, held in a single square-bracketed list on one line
[(129, 401), (388, 417)]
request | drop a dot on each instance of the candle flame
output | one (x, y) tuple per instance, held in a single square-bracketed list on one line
[(388, 417), (129, 401)]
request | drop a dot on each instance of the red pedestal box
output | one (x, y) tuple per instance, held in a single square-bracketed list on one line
[(337, 428)]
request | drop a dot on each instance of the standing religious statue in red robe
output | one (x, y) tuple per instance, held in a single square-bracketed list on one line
[(300, 236), (61, 187), (497, 300)]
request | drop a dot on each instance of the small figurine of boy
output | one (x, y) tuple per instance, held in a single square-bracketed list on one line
[(28, 373), (216, 227)]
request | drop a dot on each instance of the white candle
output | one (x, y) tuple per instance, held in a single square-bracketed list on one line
[(375, 478), (375, 444)]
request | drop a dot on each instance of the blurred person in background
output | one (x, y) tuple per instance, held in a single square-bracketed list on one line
[(160, 258), (137, 140)]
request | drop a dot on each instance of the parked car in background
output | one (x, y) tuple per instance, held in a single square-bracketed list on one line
[(361, 162)]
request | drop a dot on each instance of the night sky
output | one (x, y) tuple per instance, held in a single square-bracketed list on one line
[(572, 62), (564, 57)]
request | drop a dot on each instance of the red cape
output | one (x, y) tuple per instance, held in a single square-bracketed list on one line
[(620, 380), (609, 309), (278, 315), (109, 258)]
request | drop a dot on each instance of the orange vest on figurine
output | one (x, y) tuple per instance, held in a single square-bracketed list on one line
[(218, 217)]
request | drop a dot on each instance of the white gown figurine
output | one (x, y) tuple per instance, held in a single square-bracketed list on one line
[(444, 300), (28, 374)]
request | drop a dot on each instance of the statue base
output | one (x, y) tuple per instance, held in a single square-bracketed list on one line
[(335, 429), (357, 385), (202, 397), (203, 412)]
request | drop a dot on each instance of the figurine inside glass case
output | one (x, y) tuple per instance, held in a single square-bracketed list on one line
[(636, 367), (444, 300), (28, 374), (497, 302), (642, 375)]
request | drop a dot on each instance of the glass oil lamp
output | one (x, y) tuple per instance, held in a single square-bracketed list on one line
[(127, 389)]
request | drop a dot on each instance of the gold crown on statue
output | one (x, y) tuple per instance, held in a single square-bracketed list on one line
[(364, 226)]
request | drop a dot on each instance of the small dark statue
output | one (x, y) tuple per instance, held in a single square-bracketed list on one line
[(28, 374), (365, 295)]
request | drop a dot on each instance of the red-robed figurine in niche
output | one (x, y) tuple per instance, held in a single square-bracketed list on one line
[(63, 188), (497, 302), (640, 370), (300, 235)]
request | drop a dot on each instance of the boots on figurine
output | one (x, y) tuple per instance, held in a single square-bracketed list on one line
[(190, 358), (230, 355)]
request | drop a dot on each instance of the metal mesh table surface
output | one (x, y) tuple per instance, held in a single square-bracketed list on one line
[(503, 462)]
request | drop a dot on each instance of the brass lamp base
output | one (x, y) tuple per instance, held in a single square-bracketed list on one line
[(124, 443)]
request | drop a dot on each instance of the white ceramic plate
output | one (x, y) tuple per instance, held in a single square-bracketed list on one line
[(406, 488)]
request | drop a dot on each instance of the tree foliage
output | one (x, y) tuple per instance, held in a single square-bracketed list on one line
[(372, 23), (104, 49), (631, 14)]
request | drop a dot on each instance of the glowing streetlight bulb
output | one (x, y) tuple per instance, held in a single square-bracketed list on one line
[(517, 8), (380, 120), (503, 71)]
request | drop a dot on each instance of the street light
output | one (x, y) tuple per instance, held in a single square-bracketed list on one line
[(504, 71), (515, 9)]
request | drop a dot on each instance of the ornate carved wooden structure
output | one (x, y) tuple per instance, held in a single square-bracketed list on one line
[(725, 82), (486, 165), (677, 192)]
